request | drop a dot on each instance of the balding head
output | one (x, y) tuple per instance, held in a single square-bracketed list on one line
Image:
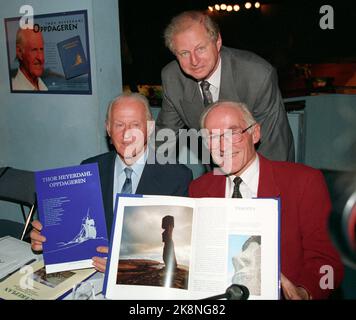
[(231, 135)]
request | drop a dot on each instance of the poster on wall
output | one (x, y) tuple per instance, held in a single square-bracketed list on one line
[(52, 57)]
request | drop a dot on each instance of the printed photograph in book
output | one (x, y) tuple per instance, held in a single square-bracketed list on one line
[(155, 246), (244, 262), (53, 279)]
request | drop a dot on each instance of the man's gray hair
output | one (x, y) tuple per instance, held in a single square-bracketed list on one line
[(247, 116), (184, 21), (136, 96), (19, 37)]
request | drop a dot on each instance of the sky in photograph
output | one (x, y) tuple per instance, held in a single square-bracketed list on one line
[(142, 232)]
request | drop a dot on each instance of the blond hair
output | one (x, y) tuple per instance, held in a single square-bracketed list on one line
[(184, 21)]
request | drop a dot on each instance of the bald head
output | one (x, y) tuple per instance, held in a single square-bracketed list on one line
[(231, 135), (129, 125)]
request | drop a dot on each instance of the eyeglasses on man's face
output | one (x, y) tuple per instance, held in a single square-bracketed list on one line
[(229, 136)]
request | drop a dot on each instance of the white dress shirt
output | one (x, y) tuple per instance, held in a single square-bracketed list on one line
[(20, 82), (249, 184), (214, 81), (120, 175)]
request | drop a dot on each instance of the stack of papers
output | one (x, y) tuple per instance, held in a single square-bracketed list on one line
[(14, 254)]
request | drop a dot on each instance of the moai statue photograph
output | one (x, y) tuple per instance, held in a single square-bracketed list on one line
[(169, 257)]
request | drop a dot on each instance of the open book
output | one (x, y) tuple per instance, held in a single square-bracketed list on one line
[(184, 248)]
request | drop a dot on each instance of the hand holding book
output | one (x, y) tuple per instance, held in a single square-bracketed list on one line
[(99, 263)]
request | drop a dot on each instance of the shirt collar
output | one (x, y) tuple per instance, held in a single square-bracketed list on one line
[(137, 167), (214, 79), (249, 175)]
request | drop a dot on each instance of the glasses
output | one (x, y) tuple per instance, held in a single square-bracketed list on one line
[(229, 135), (199, 51)]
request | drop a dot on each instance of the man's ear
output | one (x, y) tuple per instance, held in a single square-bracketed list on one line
[(256, 134), (219, 42), (19, 53), (107, 125)]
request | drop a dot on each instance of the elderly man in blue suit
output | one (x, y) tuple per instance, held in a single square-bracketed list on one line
[(129, 124)]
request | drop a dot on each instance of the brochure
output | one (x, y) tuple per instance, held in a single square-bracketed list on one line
[(70, 208)]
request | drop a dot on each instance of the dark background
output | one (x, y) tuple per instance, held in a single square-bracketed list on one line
[(283, 32)]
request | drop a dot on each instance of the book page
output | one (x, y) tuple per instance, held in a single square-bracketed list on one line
[(209, 252), (247, 245), (150, 251)]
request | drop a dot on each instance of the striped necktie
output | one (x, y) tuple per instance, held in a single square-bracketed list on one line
[(207, 96), (237, 193), (127, 187)]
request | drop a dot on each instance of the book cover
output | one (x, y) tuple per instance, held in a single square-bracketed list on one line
[(196, 248), (33, 283), (73, 58), (71, 210)]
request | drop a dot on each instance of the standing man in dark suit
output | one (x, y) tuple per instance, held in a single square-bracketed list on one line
[(205, 72), (131, 167), (305, 203)]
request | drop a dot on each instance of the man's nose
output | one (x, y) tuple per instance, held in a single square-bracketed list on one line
[(194, 59), (40, 56), (127, 134), (223, 142)]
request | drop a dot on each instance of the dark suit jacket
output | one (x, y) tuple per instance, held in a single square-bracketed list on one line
[(156, 179), (245, 77), (305, 207)]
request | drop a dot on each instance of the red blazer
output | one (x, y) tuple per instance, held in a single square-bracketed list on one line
[(305, 207)]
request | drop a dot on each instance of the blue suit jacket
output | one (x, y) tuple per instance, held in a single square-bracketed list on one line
[(156, 179)]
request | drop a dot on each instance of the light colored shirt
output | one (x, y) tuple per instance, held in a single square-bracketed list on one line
[(214, 81), (20, 82), (120, 175), (249, 184)]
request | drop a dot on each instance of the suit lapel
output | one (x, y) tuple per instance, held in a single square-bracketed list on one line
[(110, 183), (227, 81), (149, 183), (267, 186), (192, 103), (107, 185), (216, 185)]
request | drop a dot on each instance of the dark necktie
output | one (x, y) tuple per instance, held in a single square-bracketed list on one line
[(237, 193), (207, 97), (127, 187)]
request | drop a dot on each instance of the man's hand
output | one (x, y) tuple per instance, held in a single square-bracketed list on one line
[(292, 292), (36, 238), (98, 262)]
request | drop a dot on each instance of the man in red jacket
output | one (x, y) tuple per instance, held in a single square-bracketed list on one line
[(306, 250)]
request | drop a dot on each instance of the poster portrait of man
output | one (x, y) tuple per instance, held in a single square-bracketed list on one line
[(50, 55)]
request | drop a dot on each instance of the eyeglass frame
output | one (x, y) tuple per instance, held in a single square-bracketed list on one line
[(240, 134)]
